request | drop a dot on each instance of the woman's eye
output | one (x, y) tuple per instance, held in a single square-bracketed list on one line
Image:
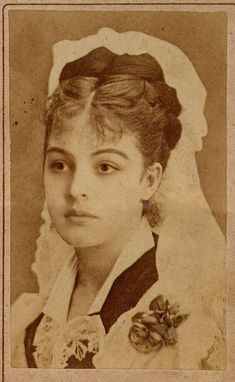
[(59, 166), (106, 168)]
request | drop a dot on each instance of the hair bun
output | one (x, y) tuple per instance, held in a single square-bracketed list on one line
[(127, 73), (167, 108), (166, 97), (102, 62), (172, 130)]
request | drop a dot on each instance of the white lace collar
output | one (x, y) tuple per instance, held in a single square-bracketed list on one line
[(58, 303)]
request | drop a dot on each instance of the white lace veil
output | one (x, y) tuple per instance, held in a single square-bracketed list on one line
[(191, 247)]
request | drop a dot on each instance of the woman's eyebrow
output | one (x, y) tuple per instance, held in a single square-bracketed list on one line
[(59, 150), (111, 150)]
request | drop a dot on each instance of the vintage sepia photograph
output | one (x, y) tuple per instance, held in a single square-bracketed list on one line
[(118, 193)]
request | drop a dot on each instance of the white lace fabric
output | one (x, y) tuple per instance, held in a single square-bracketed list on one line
[(56, 343)]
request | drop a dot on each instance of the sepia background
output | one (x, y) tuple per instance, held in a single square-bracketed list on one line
[(202, 36)]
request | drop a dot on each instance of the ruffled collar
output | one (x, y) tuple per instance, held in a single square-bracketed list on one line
[(53, 341), (58, 302)]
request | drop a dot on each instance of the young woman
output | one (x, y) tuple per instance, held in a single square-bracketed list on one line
[(124, 296)]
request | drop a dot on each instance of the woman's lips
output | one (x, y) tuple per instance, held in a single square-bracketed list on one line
[(79, 216)]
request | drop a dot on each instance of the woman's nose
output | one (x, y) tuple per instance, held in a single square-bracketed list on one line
[(204, 127), (80, 185)]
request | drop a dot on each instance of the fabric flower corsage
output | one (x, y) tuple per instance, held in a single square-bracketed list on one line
[(155, 328)]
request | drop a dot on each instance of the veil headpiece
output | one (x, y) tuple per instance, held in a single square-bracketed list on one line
[(191, 246)]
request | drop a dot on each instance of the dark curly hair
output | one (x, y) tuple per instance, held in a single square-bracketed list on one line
[(122, 94)]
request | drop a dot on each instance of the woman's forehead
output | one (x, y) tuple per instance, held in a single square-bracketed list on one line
[(76, 138), (78, 129)]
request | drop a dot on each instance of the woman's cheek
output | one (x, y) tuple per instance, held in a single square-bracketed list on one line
[(56, 183), (55, 198), (125, 195)]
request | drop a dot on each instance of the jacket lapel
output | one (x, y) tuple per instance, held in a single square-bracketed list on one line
[(129, 287)]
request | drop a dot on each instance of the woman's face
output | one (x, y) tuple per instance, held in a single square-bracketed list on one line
[(94, 189)]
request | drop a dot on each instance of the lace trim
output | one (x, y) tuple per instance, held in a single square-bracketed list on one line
[(215, 358), (214, 307), (55, 344)]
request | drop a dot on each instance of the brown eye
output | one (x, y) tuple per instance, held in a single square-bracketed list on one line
[(59, 166), (106, 168)]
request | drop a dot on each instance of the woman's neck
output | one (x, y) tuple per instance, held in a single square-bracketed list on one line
[(94, 266), (96, 263)]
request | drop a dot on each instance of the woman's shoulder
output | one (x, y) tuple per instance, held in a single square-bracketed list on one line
[(164, 331), (23, 311), (26, 306)]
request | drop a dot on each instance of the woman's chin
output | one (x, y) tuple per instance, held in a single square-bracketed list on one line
[(82, 240)]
